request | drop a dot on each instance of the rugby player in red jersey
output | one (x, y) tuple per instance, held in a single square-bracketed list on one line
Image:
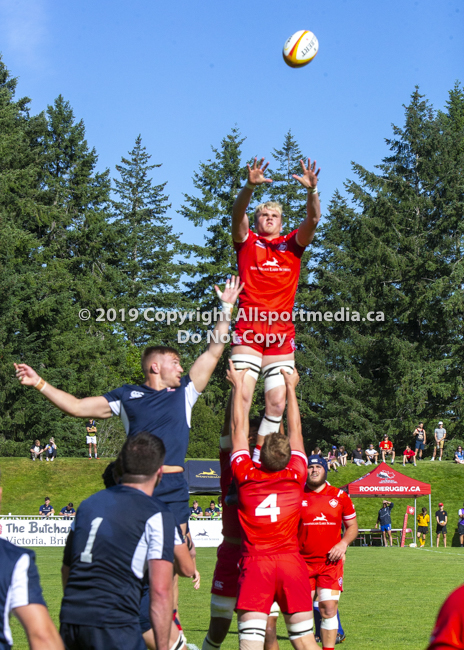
[(448, 633), (269, 505), (269, 265), (324, 509)]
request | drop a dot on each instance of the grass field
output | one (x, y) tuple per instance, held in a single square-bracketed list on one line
[(391, 600)]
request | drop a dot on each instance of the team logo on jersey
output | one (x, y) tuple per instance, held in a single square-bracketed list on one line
[(321, 518), (218, 584), (273, 263), (282, 247), (304, 504), (340, 582), (260, 244), (170, 390), (136, 394), (333, 503)]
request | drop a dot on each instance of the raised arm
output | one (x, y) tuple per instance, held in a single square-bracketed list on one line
[(313, 207), (204, 366), (78, 408), (237, 422), (295, 435), (240, 222)]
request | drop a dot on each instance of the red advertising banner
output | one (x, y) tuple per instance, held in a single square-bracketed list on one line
[(409, 511)]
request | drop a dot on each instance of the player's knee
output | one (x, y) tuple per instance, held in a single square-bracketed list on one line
[(222, 606), (328, 609), (250, 363), (273, 378), (298, 630), (251, 633), (330, 623)]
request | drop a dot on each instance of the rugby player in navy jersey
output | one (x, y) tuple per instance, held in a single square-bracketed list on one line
[(162, 405), (21, 595), (105, 564)]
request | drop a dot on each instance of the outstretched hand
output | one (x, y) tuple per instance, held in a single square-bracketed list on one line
[(309, 176), (232, 291), (235, 377), (26, 375), (256, 173), (290, 379)]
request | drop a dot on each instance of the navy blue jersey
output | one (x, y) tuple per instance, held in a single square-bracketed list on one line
[(19, 585), (46, 510), (166, 413), (384, 517), (115, 533)]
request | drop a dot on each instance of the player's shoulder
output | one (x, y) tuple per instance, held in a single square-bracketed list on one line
[(10, 554)]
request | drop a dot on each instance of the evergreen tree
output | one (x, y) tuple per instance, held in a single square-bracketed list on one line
[(146, 249)]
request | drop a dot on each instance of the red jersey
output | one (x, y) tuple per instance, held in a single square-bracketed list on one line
[(322, 514), (269, 503), (270, 270), (386, 445), (230, 522), (409, 453), (448, 633)]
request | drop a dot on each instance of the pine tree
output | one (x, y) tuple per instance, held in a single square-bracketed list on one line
[(146, 250)]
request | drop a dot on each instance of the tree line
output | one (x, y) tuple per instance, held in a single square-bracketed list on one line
[(73, 237)]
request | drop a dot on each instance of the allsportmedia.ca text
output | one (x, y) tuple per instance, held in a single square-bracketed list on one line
[(250, 315)]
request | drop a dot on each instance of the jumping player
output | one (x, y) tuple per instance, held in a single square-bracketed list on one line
[(269, 264), (162, 405), (269, 510), (323, 548), (109, 555)]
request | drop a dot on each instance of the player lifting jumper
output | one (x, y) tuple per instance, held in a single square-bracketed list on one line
[(269, 510), (269, 264)]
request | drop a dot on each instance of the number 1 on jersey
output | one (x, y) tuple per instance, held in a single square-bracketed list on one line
[(86, 555), (268, 508)]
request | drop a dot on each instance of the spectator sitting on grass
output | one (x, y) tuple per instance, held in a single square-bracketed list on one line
[(459, 456), (317, 450), (372, 455), (409, 456), (331, 459), (386, 447), (213, 511), (37, 450), (68, 512), (47, 509), (196, 511), (50, 450), (357, 457), (342, 456)]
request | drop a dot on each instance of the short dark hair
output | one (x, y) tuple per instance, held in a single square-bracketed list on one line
[(275, 452), (47, 499), (156, 349), (140, 457), (70, 505), (108, 475)]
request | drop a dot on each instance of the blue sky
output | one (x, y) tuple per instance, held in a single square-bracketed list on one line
[(184, 73)]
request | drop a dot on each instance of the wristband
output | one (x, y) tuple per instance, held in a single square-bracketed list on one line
[(250, 186), (40, 385), (313, 190)]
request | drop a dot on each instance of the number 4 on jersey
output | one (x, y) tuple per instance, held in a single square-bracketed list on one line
[(268, 508)]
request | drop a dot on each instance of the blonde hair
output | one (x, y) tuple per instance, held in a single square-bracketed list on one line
[(275, 452), (271, 205)]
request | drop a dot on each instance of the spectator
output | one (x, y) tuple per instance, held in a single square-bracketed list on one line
[(385, 521), (420, 439), (317, 450), (213, 511), (372, 455), (47, 509), (342, 456), (196, 511), (459, 456), (91, 438), (37, 450), (50, 450), (332, 462), (423, 521), (440, 435), (442, 519), (409, 456), (386, 447), (357, 457), (461, 526), (219, 504), (67, 512)]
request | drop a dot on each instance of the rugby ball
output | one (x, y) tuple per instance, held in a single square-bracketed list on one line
[(300, 49), (413, 545), (442, 523)]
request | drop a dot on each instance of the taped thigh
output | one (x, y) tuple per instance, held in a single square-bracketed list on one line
[(298, 630), (326, 594), (222, 606), (249, 361), (275, 609), (272, 375)]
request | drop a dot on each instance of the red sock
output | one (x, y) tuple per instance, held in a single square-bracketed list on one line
[(327, 648)]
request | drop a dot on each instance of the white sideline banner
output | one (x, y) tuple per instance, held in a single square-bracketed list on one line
[(207, 532), (35, 532)]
